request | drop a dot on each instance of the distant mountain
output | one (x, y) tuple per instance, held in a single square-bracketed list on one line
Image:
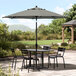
[(19, 27)]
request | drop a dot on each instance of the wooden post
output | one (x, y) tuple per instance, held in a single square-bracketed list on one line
[(63, 34), (72, 34)]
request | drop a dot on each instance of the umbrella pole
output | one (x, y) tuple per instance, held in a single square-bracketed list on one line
[(36, 41)]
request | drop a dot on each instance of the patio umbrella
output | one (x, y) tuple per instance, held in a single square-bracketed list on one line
[(34, 13)]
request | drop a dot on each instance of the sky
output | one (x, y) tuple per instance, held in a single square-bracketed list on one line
[(8, 7)]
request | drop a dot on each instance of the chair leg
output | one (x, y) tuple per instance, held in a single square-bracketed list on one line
[(26, 63), (57, 62), (12, 62), (15, 63), (64, 62), (54, 63), (22, 64), (48, 61)]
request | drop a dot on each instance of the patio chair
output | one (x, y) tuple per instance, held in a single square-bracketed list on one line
[(14, 58), (28, 58), (60, 53), (47, 48), (14, 61)]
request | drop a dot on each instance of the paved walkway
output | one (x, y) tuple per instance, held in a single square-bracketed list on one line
[(70, 70)]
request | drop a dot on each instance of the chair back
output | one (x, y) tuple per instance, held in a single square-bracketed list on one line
[(12, 49), (61, 51), (13, 52), (46, 47)]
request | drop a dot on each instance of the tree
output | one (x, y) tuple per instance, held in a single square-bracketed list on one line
[(43, 29), (3, 32), (56, 26), (71, 13), (4, 36)]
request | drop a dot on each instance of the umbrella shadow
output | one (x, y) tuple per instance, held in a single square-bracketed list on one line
[(60, 67)]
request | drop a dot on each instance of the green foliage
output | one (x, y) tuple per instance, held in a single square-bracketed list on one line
[(29, 35), (9, 53), (5, 44), (56, 26), (18, 52), (3, 32), (71, 13), (2, 72), (18, 45), (72, 46), (32, 47), (64, 44), (54, 45), (3, 53)]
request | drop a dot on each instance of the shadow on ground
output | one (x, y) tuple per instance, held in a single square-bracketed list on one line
[(7, 64), (59, 68)]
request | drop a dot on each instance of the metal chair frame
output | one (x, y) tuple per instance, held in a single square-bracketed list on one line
[(55, 57)]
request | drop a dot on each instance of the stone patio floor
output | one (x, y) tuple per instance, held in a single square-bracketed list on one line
[(70, 70)]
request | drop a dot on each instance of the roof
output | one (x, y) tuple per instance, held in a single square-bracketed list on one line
[(72, 22)]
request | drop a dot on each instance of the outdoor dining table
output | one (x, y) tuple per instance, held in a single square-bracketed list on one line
[(38, 50)]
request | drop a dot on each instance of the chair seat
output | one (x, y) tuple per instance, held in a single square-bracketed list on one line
[(52, 56), (27, 58), (35, 59), (59, 55)]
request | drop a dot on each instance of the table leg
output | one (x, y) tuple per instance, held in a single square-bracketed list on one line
[(42, 59), (30, 59)]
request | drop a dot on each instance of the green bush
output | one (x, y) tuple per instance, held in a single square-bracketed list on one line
[(9, 53), (54, 44), (33, 47), (72, 46), (64, 44), (5, 45), (2, 72), (53, 36), (18, 52), (3, 53), (18, 45)]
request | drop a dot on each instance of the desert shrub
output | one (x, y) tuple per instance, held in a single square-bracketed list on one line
[(64, 44)]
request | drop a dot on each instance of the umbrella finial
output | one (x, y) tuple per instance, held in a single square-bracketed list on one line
[(36, 6)]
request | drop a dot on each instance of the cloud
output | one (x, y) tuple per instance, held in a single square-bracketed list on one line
[(32, 23), (69, 6), (6, 20), (59, 10), (28, 22)]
